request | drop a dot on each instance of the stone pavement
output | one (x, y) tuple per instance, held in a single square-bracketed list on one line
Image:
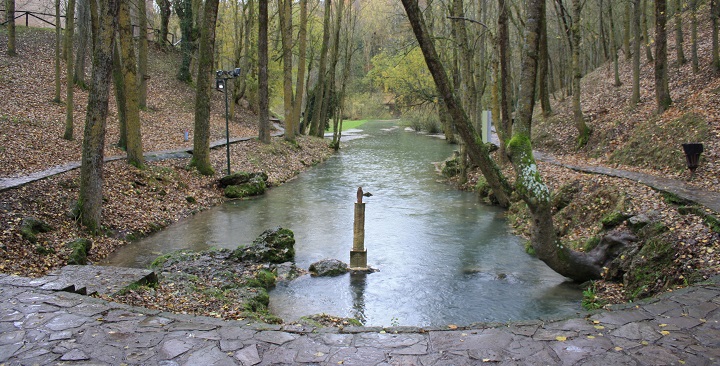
[(39, 327)]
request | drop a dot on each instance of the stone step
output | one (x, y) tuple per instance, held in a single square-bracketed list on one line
[(101, 280)]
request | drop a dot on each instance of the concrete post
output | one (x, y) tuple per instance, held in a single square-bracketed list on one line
[(358, 254)]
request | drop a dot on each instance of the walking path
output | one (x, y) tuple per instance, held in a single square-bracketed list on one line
[(683, 190), (9, 183), (44, 327)]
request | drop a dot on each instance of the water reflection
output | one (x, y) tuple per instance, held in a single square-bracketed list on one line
[(443, 257), (357, 287)]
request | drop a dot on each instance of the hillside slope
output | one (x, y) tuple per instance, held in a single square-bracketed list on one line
[(639, 139)]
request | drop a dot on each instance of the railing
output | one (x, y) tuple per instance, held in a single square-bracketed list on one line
[(28, 14), (37, 15)]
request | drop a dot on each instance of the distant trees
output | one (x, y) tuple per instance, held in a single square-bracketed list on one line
[(662, 89)]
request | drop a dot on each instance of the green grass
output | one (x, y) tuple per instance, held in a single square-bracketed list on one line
[(349, 124)]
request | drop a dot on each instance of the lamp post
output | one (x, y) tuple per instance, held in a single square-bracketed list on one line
[(221, 78)]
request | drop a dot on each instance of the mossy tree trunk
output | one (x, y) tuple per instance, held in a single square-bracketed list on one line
[(84, 35), (613, 47), (130, 83), (582, 127), (10, 18), (89, 205), (165, 8), (528, 183), (693, 36), (69, 104), (679, 34), (476, 149), (715, 18), (201, 132)]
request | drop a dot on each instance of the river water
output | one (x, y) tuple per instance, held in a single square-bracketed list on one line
[(442, 256)]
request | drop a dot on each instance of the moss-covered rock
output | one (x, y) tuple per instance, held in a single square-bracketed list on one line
[(254, 187), (239, 178), (272, 246), (31, 226), (79, 249), (328, 268)]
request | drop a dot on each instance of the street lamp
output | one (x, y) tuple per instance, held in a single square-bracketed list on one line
[(221, 78)]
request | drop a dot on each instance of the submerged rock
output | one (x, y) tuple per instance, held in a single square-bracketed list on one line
[(328, 267), (244, 184)]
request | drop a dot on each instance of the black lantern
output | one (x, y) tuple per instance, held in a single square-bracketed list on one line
[(221, 78), (692, 155)]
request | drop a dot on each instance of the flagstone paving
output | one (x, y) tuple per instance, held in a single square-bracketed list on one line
[(41, 327)]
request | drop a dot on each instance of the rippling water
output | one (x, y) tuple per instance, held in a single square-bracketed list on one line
[(443, 257)]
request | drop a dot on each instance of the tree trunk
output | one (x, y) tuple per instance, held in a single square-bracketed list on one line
[(130, 83), (505, 130), (715, 17), (583, 129), (476, 149), (184, 10), (635, 97), (645, 37), (529, 184), (120, 99), (316, 125), (142, 55), (465, 59), (83, 37), (57, 52), (263, 92), (302, 55), (329, 96), (626, 33), (10, 19), (679, 34), (201, 132), (285, 17), (89, 205), (69, 104), (543, 67), (613, 47), (164, 6), (662, 90), (693, 36)]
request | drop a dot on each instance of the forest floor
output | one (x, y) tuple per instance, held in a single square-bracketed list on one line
[(139, 202)]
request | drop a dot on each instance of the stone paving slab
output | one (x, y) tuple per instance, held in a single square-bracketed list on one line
[(39, 326)]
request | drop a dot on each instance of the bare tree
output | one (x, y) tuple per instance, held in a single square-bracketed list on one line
[(582, 127), (679, 34), (57, 52), (635, 97), (142, 60), (285, 18)]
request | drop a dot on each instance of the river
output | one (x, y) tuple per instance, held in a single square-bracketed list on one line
[(442, 256)]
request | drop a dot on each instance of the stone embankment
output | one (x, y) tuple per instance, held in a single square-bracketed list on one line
[(53, 327)]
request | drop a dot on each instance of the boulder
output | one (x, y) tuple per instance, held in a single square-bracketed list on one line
[(239, 178), (254, 187), (80, 248), (272, 246), (328, 267), (31, 226)]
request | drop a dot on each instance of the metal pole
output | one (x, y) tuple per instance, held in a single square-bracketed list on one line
[(227, 129)]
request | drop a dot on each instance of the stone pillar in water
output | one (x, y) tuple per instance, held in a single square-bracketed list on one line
[(358, 254)]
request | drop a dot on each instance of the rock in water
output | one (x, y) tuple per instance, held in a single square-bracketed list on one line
[(328, 267)]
